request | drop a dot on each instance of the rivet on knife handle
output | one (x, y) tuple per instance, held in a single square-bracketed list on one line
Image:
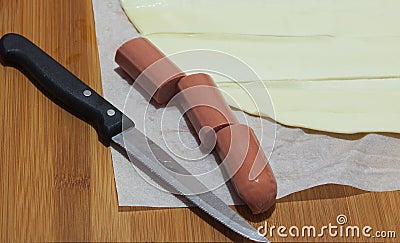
[(63, 86)]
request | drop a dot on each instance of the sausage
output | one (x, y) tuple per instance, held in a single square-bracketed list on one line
[(244, 160), (210, 116), (205, 107), (157, 74)]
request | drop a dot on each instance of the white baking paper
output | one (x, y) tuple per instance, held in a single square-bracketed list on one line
[(300, 158)]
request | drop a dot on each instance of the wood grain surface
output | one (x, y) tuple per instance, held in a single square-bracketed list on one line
[(56, 179)]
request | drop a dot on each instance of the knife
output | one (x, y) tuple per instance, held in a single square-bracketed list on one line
[(116, 129)]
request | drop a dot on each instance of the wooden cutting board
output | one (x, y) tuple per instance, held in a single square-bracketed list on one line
[(56, 179)]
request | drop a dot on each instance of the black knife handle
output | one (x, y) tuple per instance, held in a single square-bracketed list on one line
[(62, 86)]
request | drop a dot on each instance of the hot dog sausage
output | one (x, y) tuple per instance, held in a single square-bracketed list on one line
[(205, 107), (158, 75), (243, 159)]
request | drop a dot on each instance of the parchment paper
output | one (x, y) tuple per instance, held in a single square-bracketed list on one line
[(300, 158)]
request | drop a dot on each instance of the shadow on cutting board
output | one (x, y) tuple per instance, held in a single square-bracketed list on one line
[(328, 191)]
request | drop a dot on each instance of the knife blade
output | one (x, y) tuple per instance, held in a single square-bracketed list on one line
[(116, 129)]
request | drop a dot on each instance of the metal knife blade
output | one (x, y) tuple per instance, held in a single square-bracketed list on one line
[(153, 157), (113, 127)]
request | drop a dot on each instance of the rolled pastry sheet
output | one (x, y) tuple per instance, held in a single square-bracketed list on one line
[(266, 17), (327, 65)]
